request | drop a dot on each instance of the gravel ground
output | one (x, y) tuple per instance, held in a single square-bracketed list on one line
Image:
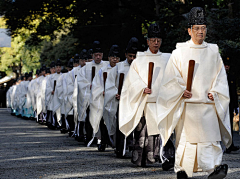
[(31, 150)]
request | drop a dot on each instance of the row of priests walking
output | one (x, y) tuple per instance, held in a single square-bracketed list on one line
[(140, 105)]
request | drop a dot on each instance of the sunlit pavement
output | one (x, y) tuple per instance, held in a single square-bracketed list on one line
[(31, 150)]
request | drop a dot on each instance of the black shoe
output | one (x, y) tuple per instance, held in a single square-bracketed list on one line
[(80, 138), (63, 131), (219, 172), (168, 164), (228, 151), (182, 175), (101, 147), (70, 134), (234, 148)]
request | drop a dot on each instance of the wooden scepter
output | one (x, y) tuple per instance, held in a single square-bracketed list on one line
[(104, 78), (120, 84), (54, 86), (150, 74), (190, 74), (93, 72)]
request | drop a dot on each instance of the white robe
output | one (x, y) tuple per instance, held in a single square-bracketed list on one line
[(39, 94), (22, 93), (198, 118), (133, 101), (8, 96), (49, 89), (13, 101), (70, 80), (82, 88), (31, 89), (43, 94), (111, 89), (28, 103), (97, 99)]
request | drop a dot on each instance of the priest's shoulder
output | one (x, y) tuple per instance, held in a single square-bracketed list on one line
[(140, 53), (213, 47), (181, 45), (105, 62), (166, 55)]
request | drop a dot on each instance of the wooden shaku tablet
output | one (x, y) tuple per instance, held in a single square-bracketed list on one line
[(190, 74), (150, 74), (120, 84)]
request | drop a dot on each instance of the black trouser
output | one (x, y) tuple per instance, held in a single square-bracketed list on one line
[(231, 121), (70, 119), (48, 117), (63, 121), (119, 137), (54, 120), (104, 133), (80, 128), (88, 127)]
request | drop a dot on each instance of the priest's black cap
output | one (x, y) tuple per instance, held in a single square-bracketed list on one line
[(197, 16), (30, 74), (58, 62), (114, 51), (76, 58), (26, 75), (22, 77), (44, 67), (132, 46), (84, 54), (52, 64), (154, 31), (97, 47), (64, 70), (90, 52), (37, 72), (70, 63), (48, 70)]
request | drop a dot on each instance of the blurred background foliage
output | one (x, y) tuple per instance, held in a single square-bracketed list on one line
[(45, 30)]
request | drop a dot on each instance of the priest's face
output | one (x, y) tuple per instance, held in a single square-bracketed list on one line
[(154, 44), (82, 62), (53, 70), (198, 33), (97, 57), (227, 67), (58, 69), (75, 64), (113, 61), (130, 57)]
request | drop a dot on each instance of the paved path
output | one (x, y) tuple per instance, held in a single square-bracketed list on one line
[(30, 150)]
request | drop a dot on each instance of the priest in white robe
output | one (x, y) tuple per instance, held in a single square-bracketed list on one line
[(77, 126), (97, 99), (28, 104), (83, 85), (137, 106), (50, 89), (111, 98), (200, 116), (39, 94)]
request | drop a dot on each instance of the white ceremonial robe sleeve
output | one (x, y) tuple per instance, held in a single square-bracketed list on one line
[(96, 101), (132, 101), (110, 101)]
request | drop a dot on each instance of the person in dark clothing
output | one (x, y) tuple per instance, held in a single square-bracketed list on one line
[(233, 105)]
